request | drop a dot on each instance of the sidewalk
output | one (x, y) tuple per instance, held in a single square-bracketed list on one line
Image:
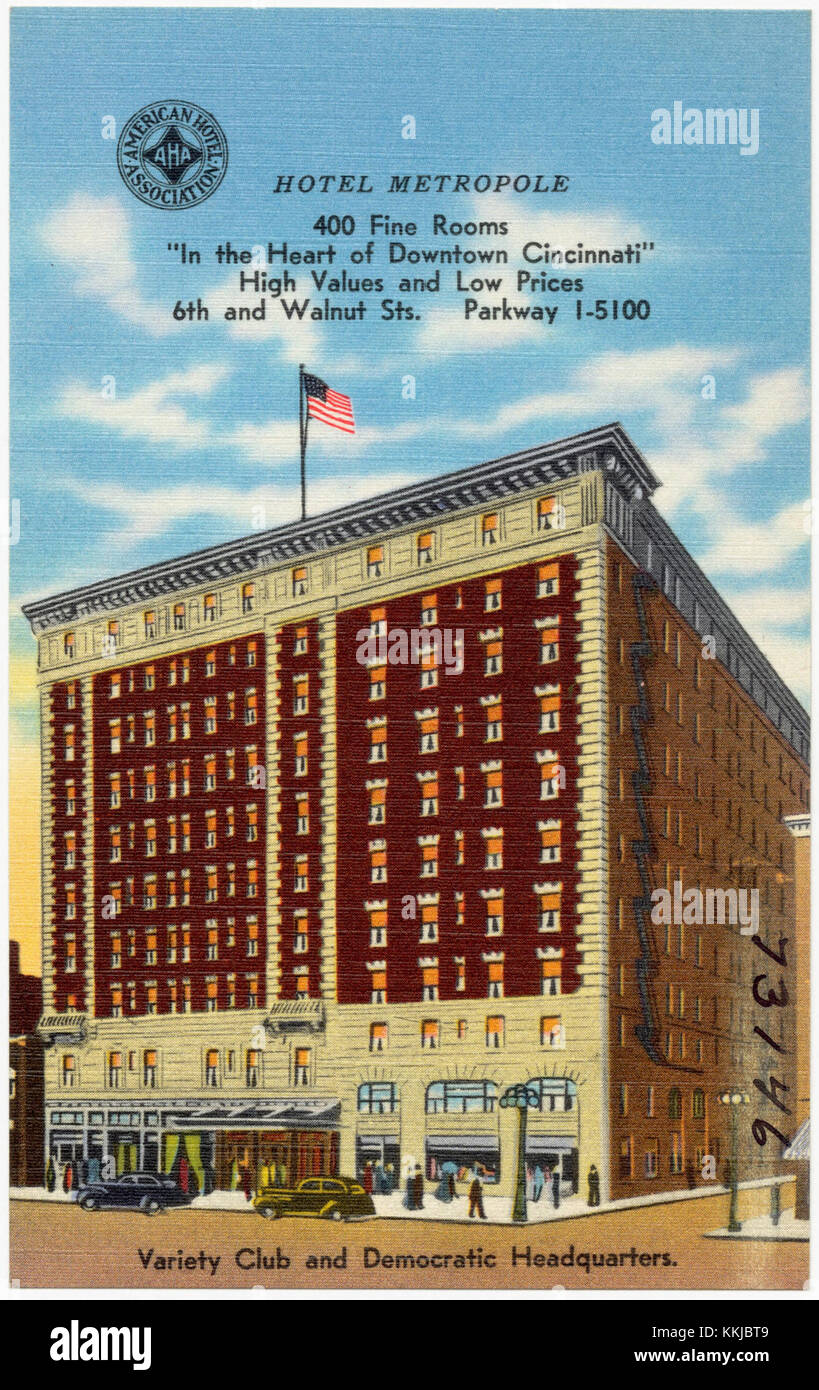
[(498, 1209), (762, 1228)]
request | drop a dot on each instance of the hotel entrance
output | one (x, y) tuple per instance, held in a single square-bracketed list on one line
[(279, 1157)]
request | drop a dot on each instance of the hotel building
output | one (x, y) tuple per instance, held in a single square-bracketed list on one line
[(351, 824)]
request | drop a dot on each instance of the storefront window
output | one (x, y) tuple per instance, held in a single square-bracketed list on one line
[(554, 1092)]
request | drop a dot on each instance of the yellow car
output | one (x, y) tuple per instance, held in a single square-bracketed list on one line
[(336, 1199)]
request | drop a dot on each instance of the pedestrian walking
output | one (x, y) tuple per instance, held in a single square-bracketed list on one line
[(556, 1186), (476, 1198), (594, 1187), (538, 1182), (247, 1185), (418, 1189), (367, 1178)]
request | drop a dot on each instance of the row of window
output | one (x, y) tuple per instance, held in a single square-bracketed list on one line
[(177, 837), (239, 992), (648, 1102), (177, 889), (179, 721), (549, 513), (177, 779)]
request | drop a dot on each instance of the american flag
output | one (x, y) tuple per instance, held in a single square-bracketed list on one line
[(327, 405)]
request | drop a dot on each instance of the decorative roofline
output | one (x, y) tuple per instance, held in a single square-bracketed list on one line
[(426, 501)]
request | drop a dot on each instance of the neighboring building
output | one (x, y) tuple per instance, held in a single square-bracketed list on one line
[(26, 1082), (26, 1112), (311, 902), (798, 1154), (25, 996)]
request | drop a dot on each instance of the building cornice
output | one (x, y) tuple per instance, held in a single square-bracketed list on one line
[(427, 501)]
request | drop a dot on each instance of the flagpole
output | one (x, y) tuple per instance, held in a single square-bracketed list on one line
[(304, 420)]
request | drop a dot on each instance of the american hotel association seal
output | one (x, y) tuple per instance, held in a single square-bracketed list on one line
[(172, 154)]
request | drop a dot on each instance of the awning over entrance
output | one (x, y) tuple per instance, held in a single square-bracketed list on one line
[(280, 1114), (550, 1143), (296, 1016)]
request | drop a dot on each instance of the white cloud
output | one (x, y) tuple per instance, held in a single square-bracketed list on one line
[(742, 547), (140, 513), (92, 237), (151, 413)]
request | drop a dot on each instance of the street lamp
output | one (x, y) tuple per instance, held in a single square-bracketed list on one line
[(733, 1098), (522, 1098)]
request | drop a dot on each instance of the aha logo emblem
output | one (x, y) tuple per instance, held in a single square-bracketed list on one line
[(172, 154)]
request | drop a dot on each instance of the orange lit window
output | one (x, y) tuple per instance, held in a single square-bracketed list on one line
[(68, 644), (378, 744), (489, 528), (378, 804), (494, 1032), (493, 787), (425, 548), (549, 780), (549, 514), (549, 644), (548, 582), (299, 581), (550, 972), (550, 909), (493, 595), (375, 561), (69, 743), (378, 1037), (300, 641), (550, 711), (248, 596), (549, 841), (378, 682), (301, 686), (493, 657), (551, 1032), (429, 1033), (494, 916), (429, 795), (378, 987)]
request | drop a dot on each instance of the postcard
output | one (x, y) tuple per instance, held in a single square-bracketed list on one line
[(410, 523)]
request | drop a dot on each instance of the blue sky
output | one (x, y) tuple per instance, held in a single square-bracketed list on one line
[(201, 432)]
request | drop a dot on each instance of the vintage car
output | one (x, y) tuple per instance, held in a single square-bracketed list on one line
[(146, 1192), (336, 1199)]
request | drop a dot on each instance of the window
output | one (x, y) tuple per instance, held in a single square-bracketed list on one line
[(299, 581), (69, 645), (69, 849), (429, 920), (68, 1073), (378, 986), (549, 641), (300, 642), (252, 1067), (549, 895), (250, 655), (212, 1067), (550, 514), (430, 1034), (252, 937), (149, 1068), (425, 548), (301, 1067), (429, 610), (495, 1032), (378, 682), (377, 792), (377, 1097), (624, 1159), (427, 722), (210, 714), (378, 1037), (494, 902), (149, 619), (493, 848), (494, 984), (70, 947), (378, 740), (493, 710), (301, 687), (69, 743), (429, 793), (551, 1032), (651, 1158), (178, 622), (429, 856), (698, 1104), (547, 581), (378, 861), (490, 530), (549, 841), (674, 1104), (248, 597), (375, 561), (300, 874), (675, 1156), (429, 983), (70, 902), (492, 652), (549, 696), (493, 595), (550, 977), (210, 608), (549, 776), (377, 914), (461, 1097), (112, 636), (492, 784)]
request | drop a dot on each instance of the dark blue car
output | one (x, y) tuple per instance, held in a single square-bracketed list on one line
[(146, 1192)]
